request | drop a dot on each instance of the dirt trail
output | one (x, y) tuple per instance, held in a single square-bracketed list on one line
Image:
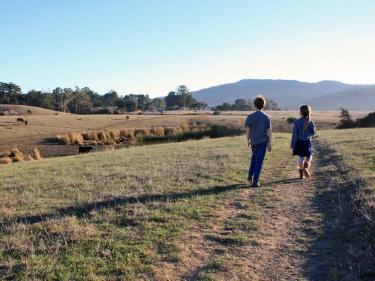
[(287, 224)]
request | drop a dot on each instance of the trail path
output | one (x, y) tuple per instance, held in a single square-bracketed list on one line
[(287, 220)]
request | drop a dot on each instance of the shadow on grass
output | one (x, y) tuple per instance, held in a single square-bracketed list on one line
[(337, 251), (85, 208)]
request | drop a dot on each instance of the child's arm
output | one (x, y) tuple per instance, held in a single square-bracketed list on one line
[(248, 131), (313, 128), (294, 136), (269, 134)]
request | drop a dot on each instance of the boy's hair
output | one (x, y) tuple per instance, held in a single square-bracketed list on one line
[(305, 110), (259, 102)]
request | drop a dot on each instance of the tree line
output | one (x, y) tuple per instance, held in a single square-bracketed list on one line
[(347, 121), (86, 100), (245, 105)]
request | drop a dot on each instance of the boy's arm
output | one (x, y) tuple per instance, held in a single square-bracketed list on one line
[(248, 131), (269, 134)]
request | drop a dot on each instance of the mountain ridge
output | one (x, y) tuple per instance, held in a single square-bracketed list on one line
[(287, 93)]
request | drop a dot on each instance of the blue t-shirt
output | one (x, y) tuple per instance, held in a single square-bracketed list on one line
[(259, 123)]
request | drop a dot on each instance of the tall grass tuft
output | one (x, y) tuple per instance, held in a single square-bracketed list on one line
[(127, 133), (5, 160), (102, 135), (75, 138), (63, 139), (28, 157), (141, 132), (17, 155), (158, 131), (115, 134), (36, 154)]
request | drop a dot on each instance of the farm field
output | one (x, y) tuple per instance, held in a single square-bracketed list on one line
[(184, 211), (42, 127)]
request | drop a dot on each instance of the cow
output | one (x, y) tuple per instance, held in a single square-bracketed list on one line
[(21, 120)]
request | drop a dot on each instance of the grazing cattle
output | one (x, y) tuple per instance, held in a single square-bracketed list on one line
[(85, 148), (21, 120)]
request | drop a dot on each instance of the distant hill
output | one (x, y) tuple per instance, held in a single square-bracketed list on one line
[(27, 110), (358, 98), (287, 93)]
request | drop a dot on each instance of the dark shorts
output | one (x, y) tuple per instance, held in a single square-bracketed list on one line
[(303, 148)]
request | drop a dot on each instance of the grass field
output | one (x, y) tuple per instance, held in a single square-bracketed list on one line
[(41, 127), (348, 157), (183, 211), (119, 214)]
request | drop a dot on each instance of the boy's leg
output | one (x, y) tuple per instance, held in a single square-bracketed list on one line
[(252, 163), (259, 157)]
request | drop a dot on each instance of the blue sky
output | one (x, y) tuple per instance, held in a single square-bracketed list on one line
[(151, 46)]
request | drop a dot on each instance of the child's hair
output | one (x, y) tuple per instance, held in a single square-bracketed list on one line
[(259, 102), (305, 110)]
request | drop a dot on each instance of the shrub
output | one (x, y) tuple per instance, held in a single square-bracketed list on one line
[(216, 112), (158, 131), (5, 160), (36, 154), (367, 121), (346, 120), (291, 120), (141, 132), (127, 133)]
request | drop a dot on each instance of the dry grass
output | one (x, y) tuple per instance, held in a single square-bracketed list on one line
[(350, 155), (28, 157), (16, 155), (5, 160), (36, 154), (141, 132), (41, 127), (158, 131)]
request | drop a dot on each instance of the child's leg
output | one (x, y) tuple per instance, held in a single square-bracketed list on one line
[(259, 157), (300, 166), (306, 166), (252, 163)]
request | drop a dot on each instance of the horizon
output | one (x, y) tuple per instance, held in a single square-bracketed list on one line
[(146, 47)]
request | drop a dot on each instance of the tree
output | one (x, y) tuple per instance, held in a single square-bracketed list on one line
[(131, 103), (158, 104), (110, 98), (346, 120), (143, 102), (81, 102), (10, 93)]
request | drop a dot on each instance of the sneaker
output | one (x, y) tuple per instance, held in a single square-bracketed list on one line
[(250, 179), (255, 184)]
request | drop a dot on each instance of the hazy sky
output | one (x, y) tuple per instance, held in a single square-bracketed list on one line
[(151, 46)]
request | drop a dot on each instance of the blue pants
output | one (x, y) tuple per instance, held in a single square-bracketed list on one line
[(257, 157)]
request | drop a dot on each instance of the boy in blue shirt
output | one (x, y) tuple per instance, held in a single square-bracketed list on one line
[(258, 137)]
